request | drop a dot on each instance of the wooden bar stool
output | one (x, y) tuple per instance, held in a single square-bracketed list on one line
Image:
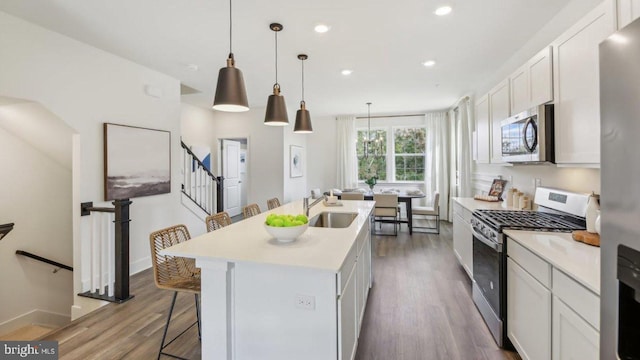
[(217, 221), (250, 210)]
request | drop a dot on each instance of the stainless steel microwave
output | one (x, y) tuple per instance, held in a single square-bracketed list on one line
[(528, 136)]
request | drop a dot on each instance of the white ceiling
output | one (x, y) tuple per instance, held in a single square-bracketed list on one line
[(384, 42)]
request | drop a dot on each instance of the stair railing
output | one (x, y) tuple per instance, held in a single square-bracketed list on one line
[(201, 186), (45, 260), (109, 249)]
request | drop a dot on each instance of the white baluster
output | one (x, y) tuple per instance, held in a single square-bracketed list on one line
[(111, 254)]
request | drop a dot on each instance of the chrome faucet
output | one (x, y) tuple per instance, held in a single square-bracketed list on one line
[(306, 206)]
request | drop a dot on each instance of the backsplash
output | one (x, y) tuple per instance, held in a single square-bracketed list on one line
[(580, 180)]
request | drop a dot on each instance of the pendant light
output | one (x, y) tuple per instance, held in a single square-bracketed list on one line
[(231, 95), (370, 145), (276, 114), (303, 119)]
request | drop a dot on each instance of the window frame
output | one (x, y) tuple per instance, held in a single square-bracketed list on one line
[(391, 153)]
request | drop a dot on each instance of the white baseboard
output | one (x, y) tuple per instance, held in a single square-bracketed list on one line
[(35, 317), (139, 265)]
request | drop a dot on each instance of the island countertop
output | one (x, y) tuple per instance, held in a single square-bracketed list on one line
[(248, 240)]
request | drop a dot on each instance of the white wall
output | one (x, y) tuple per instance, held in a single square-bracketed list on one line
[(86, 87), (35, 193), (321, 154), (264, 146), (295, 188)]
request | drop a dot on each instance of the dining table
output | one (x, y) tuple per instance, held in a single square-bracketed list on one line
[(403, 197)]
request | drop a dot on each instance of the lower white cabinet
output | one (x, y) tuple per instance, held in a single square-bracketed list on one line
[(528, 313), (573, 337), (347, 318), (463, 238)]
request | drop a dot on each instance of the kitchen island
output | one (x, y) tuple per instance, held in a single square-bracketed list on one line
[(262, 299)]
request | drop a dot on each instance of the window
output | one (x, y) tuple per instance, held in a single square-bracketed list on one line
[(406, 161), (409, 146), (376, 162)]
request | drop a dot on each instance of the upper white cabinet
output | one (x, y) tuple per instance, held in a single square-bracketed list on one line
[(532, 83), (498, 110), (628, 10), (577, 87), (482, 130), (540, 74)]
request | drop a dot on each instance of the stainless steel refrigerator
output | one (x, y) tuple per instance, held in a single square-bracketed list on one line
[(620, 199)]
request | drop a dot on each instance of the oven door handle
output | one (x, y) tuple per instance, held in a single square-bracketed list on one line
[(493, 245)]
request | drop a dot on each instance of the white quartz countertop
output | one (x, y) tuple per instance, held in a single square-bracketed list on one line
[(248, 240), (579, 261), (472, 204)]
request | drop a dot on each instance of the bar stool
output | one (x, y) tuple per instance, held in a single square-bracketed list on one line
[(217, 221), (250, 210), (273, 203)]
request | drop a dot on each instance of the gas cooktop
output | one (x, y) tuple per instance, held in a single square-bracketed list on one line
[(529, 220)]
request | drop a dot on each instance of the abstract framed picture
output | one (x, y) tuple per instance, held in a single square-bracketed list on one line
[(137, 161), (295, 162)]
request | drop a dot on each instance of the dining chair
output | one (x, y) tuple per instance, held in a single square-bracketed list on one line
[(177, 274), (217, 221), (273, 203), (250, 210), (386, 211), (352, 196), (429, 212)]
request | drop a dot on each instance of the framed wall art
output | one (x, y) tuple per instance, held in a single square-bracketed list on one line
[(295, 161), (137, 161)]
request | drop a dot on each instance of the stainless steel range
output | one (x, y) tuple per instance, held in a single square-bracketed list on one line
[(558, 210)]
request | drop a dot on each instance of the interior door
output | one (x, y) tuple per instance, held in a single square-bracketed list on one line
[(231, 173)]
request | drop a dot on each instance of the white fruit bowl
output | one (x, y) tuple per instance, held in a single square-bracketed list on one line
[(286, 234)]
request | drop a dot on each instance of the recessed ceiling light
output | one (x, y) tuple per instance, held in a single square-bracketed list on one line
[(346, 72), (192, 67), (443, 10), (321, 28), (429, 63)]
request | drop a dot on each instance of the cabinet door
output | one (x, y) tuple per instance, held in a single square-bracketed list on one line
[(573, 338), (528, 314), (628, 10), (347, 318), (463, 243), (361, 287), (499, 109), (482, 130), (519, 86), (577, 87), (540, 69)]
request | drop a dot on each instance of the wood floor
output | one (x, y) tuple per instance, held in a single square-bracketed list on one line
[(419, 308)]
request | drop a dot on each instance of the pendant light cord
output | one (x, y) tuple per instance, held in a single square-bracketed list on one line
[(230, 28), (276, 58), (302, 80)]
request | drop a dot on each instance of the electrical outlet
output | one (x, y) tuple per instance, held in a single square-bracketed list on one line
[(306, 302), (537, 182)]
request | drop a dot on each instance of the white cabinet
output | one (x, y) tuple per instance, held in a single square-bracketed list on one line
[(498, 110), (549, 314), (532, 83), (628, 10), (540, 76), (363, 283), (528, 313), (519, 83), (573, 338), (577, 88), (347, 317), (482, 130), (463, 238)]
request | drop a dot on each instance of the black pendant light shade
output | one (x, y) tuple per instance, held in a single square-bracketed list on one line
[(231, 95), (276, 114), (303, 118)]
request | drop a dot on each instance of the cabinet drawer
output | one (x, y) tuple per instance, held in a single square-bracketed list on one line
[(534, 265), (582, 301), (347, 267), (462, 211)]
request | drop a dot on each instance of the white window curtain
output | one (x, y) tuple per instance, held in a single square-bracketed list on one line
[(347, 161), (437, 160)]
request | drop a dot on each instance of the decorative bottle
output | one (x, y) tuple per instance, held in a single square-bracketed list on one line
[(592, 213)]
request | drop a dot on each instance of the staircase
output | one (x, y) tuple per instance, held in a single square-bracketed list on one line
[(199, 185), (28, 333)]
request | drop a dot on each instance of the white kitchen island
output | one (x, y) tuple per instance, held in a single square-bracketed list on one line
[(262, 299)]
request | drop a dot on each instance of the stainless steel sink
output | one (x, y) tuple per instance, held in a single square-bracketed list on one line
[(334, 220)]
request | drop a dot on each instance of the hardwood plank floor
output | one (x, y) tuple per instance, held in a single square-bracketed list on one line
[(419, 308)]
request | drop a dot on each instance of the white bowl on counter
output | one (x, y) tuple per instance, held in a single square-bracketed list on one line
[(286, 234)]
